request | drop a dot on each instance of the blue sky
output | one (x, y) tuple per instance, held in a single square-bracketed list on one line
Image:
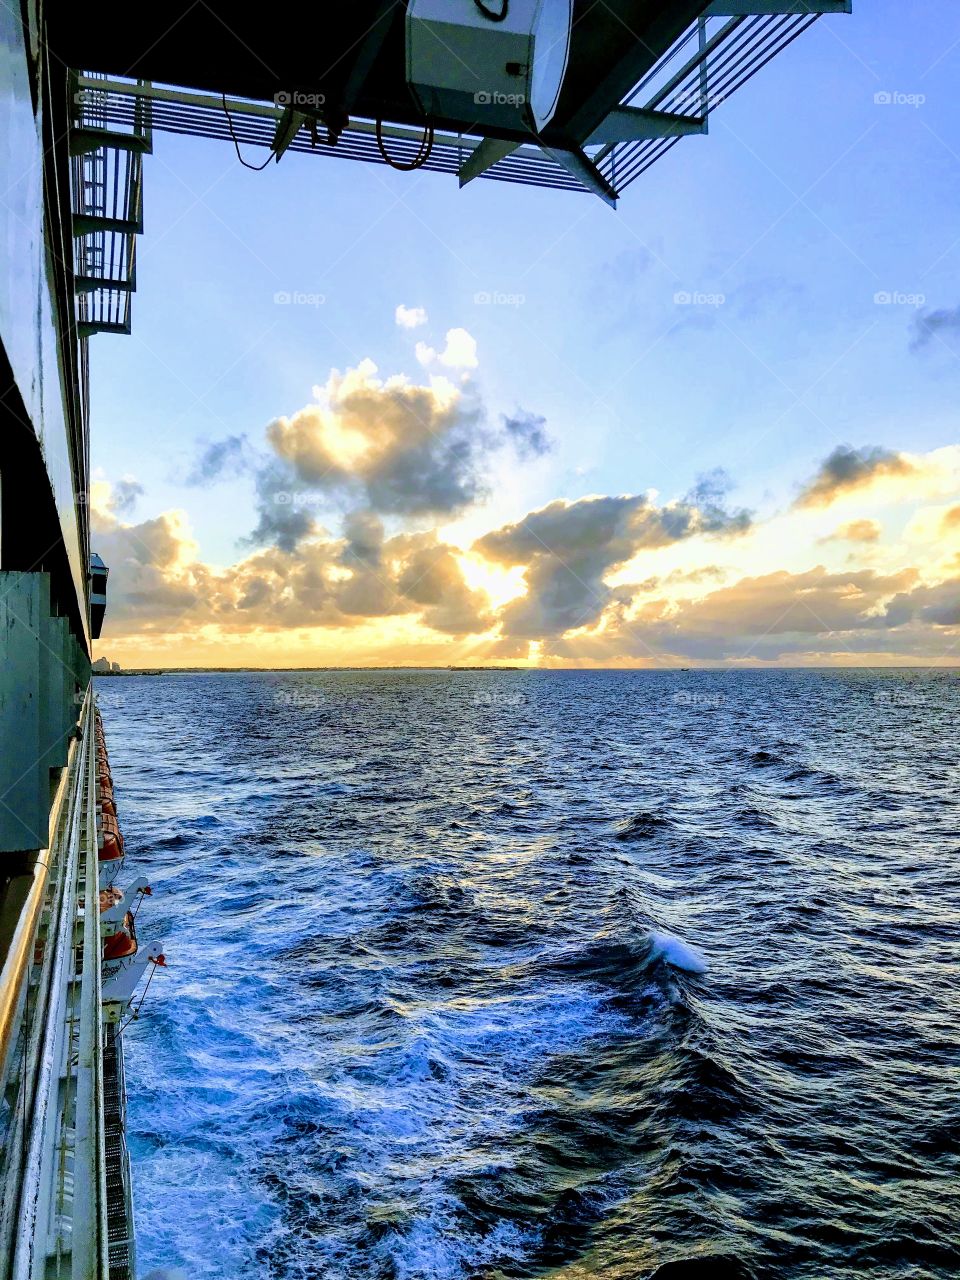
[(806, 200)]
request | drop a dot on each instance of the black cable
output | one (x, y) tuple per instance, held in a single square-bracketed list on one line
[(489, 13), (418, 161), (246, 163)]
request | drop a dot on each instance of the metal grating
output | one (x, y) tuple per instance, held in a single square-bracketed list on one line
[(713, 58), (120, 1234), (254, 124)]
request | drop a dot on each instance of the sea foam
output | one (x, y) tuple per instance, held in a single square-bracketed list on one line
[(678, 953)]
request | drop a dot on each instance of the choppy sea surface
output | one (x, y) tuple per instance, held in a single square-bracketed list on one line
[(433, 1008)]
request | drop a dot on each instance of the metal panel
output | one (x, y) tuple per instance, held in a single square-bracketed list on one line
[(24, 783)]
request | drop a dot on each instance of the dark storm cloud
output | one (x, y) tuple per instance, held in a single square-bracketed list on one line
[(847, 469), (363, 537)]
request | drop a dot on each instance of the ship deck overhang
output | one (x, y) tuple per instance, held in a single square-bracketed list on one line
[(641, 75)]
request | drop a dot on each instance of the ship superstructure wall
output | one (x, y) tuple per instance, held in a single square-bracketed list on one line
[(44, 463)]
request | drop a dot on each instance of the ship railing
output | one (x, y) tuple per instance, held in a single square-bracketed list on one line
[(715, 57), (121, 1243), (53, 1219)]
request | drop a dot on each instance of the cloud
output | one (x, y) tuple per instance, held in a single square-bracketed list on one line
[(413, 584), (218, 460), (770, 616), (527, 432), (847, 469), (814, 602), (157, 584), (387, 446), (430, 576), (936, 605), (285, 507), (568, 548), (854, 531), (707, 499), (125, 495), (410, 317), (927, 326), (460, 351), (154, 576)]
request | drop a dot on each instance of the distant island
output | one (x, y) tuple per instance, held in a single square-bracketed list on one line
[(104, 667)]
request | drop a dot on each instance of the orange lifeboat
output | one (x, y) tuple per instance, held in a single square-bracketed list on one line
[(118, 945), (111, 841)]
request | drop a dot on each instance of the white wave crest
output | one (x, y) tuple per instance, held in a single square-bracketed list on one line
[(678, 953)]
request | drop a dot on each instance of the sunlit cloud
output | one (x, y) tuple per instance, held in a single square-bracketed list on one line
[(847, 470), (854, 531), (410, 317), (389, 527), (459, 351)]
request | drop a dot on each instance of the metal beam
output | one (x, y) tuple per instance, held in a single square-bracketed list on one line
[(629, 124), (288, 126), (370, 46), (583, 168), (87, 224), (764, 8), (90, 284), (84, 138), (87, 328), (484, 157)]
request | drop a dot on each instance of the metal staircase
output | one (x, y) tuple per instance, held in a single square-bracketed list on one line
[(107, 175)]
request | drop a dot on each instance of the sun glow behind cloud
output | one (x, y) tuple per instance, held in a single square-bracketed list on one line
[(392, 526)]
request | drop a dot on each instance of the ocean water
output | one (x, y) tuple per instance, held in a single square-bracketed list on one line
[(563, 974)]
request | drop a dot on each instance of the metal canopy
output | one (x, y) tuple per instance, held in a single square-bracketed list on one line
[(641, 76), (350, 55), (328, 80)]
